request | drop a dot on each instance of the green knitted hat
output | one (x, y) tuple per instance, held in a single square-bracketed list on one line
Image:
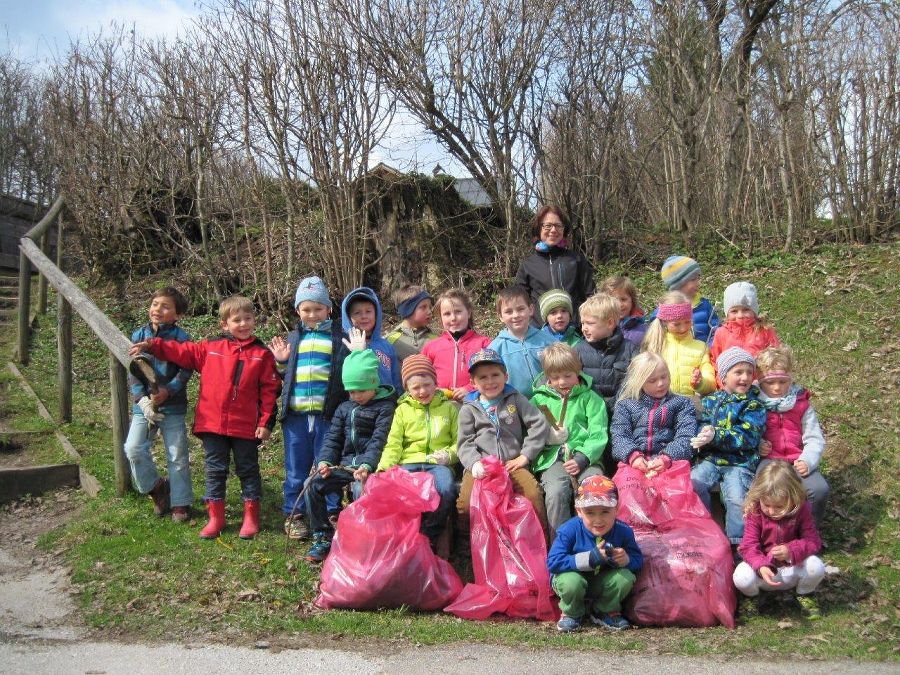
[(360, 372), (555, 297)]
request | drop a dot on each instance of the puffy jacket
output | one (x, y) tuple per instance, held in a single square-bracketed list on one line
[(761, 533), (175, 379), (606, 361), (682, 355), (634, 328), (652, 426), (571, 550), (238, 383), (451, 357), (794, 431), (522, 357), (585, 419), (358, 432), (389, 368), (521, 429), (335, 394), (738, 421), (569, 336), (744, 334), (706, 321), (557, 268), (419, 430), (408, 341)]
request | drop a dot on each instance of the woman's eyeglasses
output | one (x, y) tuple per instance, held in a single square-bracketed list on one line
[(547, 227)]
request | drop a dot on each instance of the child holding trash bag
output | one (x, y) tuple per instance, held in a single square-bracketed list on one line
[(594, 557)]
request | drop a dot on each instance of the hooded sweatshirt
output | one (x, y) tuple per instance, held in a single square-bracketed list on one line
[(451, 357), (522, 357), (389, 369)]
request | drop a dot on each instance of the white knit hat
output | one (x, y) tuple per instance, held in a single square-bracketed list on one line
[(741, 294)]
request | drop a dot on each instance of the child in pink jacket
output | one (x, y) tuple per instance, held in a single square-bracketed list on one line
[(780, 540)]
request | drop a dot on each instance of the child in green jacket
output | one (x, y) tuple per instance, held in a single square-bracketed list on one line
[(423, 436), (577, 443)]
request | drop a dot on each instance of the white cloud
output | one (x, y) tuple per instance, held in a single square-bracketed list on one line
[(150, 18)]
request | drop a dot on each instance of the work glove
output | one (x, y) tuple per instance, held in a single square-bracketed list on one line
[(152, 415)]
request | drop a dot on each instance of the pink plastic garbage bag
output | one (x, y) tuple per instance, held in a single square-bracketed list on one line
[(378, 556), (509, 556), (686, 576)]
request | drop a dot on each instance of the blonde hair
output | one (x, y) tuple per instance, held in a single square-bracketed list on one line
[(777, 482), (775, 358), (624, 284), (640, 369), (655, 339), (560, 358), (602, 306), (234, 305), (459, 295)]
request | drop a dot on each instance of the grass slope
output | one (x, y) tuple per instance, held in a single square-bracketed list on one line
[(145, 576)]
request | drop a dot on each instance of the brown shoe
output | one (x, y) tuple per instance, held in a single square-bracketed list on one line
[(181, 514), (160, 496)]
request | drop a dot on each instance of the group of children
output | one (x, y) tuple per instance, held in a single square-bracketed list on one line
[(547, 401)]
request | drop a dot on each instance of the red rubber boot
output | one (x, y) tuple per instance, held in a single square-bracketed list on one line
[(216, 509), (250, 526)]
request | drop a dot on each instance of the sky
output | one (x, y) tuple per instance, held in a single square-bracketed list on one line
[(35, 31)]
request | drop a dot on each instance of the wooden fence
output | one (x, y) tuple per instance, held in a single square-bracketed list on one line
[(69, 297)]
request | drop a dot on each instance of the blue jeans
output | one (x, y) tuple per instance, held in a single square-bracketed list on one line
[(735, 481), (218, 450), (303, 436), (433, 523), (143, 470)]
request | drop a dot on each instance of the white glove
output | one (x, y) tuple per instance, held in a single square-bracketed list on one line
[(357, 341), (705, 436), (146, 406), (441, 457), (557, 436), (477, 471)]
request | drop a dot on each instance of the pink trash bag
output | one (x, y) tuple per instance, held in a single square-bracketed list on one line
[(378, 556), (509, 555), (686, 576)]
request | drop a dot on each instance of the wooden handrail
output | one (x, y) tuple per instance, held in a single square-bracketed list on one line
[(49, 218)]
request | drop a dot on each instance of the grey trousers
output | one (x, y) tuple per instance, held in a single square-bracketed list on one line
[(559, 494)]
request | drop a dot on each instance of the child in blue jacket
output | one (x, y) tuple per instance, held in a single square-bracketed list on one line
[(596, 557), (361, 309), (519, 344)]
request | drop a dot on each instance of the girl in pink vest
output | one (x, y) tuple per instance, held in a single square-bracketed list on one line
[(450, 353), (792, 428), (780, 541)]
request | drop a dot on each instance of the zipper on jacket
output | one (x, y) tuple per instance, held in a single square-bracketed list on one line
[(353, 430), (650, 427), (428, 428), (456, 352), (235, 380)]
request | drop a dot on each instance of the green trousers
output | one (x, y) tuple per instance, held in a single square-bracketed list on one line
[(607, 589)]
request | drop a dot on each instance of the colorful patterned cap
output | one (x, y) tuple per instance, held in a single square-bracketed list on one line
[(730, 358), (552, 299), (417, 364), (677, 269), (486, 356), (597, 491)]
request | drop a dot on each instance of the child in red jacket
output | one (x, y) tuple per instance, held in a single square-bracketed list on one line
[(780, 540), (743, 326), (236, 407)]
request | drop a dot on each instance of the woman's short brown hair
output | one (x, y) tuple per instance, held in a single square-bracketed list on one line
[(539, 217)]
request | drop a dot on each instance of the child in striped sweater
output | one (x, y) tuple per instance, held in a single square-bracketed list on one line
[(310, 362)]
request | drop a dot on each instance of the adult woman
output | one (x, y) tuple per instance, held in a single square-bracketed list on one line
[(553, 264)]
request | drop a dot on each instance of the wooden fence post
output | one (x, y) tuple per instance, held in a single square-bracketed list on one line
[(24, 307), (118, 384), (63, 339), (42, 280)]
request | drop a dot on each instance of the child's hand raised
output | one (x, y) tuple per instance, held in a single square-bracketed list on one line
[(357, 341), (280, 348), (138, 347), (519, 462)]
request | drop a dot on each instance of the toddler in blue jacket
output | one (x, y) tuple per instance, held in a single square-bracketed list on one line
[(594, 556)]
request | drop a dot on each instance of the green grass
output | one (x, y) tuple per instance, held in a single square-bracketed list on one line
[(836, 306)]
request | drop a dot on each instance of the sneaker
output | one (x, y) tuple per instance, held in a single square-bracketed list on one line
[(810, 607), (319, 550), (296, 528), (181, 514), (613, 620), (160, 496), (568, 624)]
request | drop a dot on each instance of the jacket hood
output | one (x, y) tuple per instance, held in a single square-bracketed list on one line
[(506, 334), (407, 400), (384, 391), (371, 296), (585, 382), (507, 390)]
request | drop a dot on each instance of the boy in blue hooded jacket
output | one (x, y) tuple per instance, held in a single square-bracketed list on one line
[(361, 309)]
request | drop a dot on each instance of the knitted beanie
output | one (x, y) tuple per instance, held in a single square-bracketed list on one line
[(360, 371), (677, 269), (730, 358), (553, 299), (417, 364), (741, 294), (312, 288)]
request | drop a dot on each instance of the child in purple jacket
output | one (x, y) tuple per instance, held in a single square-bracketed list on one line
[(780, 540)]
